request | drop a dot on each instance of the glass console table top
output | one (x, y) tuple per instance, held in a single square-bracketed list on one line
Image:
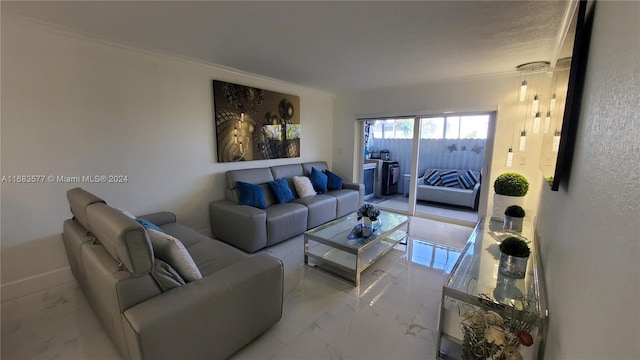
[(477, 273), (475, 281)]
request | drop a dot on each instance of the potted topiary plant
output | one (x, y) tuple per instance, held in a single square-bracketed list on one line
[(513, 217), (510, 189), (514, 255)]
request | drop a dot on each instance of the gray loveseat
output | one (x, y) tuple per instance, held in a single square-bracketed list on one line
[(251, 229), (448, 195), (112, 257)]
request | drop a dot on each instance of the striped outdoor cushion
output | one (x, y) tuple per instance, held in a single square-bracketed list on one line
[(433, 178), (450, 178), (468, 179)]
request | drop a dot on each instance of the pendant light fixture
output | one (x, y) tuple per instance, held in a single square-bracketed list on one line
[(523, 90), (510, 157), (547, 122), (536, 105), (556, 141), (536, 123)]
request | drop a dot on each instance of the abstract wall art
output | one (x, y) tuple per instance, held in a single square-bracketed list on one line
[(255, 124)]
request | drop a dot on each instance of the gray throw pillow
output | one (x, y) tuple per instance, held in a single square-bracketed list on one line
[(166, 277), (172, 251)]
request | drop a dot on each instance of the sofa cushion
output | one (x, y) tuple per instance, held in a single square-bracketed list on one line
[(250, 194), (320, 165), (450, 178), (212, 255), (281, 190), (433, 178), (172, 251), (303, 186), (468, 179), (318, 180), (347, 201), (285, 221), (165, 276), (79, 200), (123, 238), (334, 182), (286, 171), (322, 208)]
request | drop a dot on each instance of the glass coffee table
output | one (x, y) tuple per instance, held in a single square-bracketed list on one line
[(332, 247)]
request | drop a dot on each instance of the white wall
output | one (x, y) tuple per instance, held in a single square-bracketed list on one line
[(499, 93), (75, 106), (590, 229)]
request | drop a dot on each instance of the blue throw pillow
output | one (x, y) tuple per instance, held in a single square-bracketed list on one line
[(319, 180), (250, 194), (468, 179), (450, 178), (281, 190), (148, 224), (433, 178), (334, 182)]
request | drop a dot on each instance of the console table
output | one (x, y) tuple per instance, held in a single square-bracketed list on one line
[(475, 275)]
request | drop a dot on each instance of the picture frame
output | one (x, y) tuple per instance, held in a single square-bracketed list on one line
[(255, 124)]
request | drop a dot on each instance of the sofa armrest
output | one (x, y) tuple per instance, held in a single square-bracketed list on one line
[(209, 318), (242, 226), (160, 218), (355, 186)]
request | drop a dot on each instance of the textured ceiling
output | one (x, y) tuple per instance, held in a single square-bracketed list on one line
[(333, 46)]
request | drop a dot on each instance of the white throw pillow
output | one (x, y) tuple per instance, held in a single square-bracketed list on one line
[(303, 186), (172, 251), (127, 213)]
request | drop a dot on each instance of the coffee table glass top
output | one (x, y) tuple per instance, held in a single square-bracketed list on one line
[(337, 231)]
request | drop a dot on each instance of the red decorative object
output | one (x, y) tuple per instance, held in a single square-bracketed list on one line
[(524, 337)]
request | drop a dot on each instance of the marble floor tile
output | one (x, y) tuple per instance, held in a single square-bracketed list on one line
[(391, 315)]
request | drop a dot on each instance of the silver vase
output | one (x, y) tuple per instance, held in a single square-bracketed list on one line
[(513, 266), (512, 223)]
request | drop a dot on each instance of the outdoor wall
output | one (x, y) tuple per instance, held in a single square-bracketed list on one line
[(589, 230), (75, 106)]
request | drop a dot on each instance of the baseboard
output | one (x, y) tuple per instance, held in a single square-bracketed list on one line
[(34, 284)]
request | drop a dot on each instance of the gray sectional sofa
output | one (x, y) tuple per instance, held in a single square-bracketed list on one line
[(251, 229), (146, 307), (448, 195)]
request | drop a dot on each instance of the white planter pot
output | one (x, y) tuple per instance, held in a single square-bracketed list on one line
[(501, 202)]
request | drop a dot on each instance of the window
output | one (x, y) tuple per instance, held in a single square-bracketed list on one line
[(455, 127), (393, 129)]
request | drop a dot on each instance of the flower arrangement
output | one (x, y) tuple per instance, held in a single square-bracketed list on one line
[(489, 335), (368, 211)]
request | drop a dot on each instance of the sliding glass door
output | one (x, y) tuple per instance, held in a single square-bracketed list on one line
[(399, 152), (450, 162), (388, 149)]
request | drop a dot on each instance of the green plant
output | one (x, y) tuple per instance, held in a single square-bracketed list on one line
[(511, 184), (515, 247), (515, 211)]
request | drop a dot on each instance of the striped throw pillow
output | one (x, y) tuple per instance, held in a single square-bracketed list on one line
[(468, 179), (450, 178), (433, 178)]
